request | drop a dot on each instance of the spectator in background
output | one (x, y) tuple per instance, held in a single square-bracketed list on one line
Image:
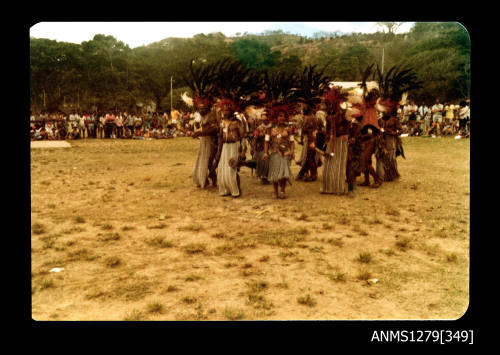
[(101, 124), (412, 118), (119, 125), (161, 121), (175, 115), (424, 117), (463, 119), (129, 122), (154, 122), (81, 125), (49, 129), (91, 125), (147, 121), (137, 125), (449, 109), (33, 119), (109, 125), (437, 115), (405, 114), (61, 130), (43, 133)]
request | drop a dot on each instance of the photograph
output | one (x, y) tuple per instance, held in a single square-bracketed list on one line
[(249, 171)]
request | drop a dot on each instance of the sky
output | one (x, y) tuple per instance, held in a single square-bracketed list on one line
[(137, 34)]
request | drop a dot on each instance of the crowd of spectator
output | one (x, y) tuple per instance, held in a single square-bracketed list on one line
[(436, 119), (426, 120), (111, 124)]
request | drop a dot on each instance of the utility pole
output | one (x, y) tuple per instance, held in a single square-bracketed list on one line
[(383, 50), (171, 81)]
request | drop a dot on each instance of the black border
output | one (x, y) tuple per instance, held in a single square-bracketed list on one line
[(285, 334)]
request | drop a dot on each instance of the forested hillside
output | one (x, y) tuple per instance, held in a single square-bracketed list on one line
[(104, 73)]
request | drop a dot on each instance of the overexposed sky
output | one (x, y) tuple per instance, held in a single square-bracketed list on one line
[(137, 34)]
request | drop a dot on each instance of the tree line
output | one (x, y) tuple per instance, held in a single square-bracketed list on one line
[(104, 73)]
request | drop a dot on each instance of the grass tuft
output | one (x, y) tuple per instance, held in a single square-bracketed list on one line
[(193, 277), (189, 299), (110, 237), (107, 227), (307, 300), (327, 226), (135, 315), (112, 261), (172, 288), (79, 219), (339, 276), (45, 284), (365, 258), (364, 275), (38, 228), (403, 243), (234, 314), (451, 258), (194, 248), (195, 227), (157, 226), (159, 242), (155, 307)]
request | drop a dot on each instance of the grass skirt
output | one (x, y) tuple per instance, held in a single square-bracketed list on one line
[(226, 176), (200, 171), (279, 168), (334, 171)]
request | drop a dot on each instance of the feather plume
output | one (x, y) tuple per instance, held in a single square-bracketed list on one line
[(311, 85), (333, 98), (397, 82), (187, 99), (404, 99), (235, 82)]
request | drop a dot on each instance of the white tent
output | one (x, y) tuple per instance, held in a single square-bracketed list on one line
[(349, 85)]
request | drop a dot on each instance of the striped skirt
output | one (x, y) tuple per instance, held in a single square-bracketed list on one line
[(200, 171), (279, 168), (334, 171), (262, 169), (226, 176), (303, 154), (387, 166)]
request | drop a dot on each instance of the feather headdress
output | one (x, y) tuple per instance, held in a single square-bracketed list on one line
[(188, 100), (234, 82), (201, 82), (394, 85), (280, 93), (311, 85), (333, 99)]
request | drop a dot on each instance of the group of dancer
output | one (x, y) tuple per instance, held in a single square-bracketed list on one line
[(271, 115)]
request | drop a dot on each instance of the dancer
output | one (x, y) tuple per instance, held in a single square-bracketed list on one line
[(202, 83), (204, 167), (337, 133), (394, 89), (257, 148), (279, 149), (387, 167), (231, 149), (309, 170), (308, 92), (369, 130)]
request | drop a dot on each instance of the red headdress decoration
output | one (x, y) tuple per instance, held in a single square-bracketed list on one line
[(333, 97), (229, 103), (275, 110), (205, 101)]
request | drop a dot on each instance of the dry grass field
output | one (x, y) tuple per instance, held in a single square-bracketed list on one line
[(138, 241)]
